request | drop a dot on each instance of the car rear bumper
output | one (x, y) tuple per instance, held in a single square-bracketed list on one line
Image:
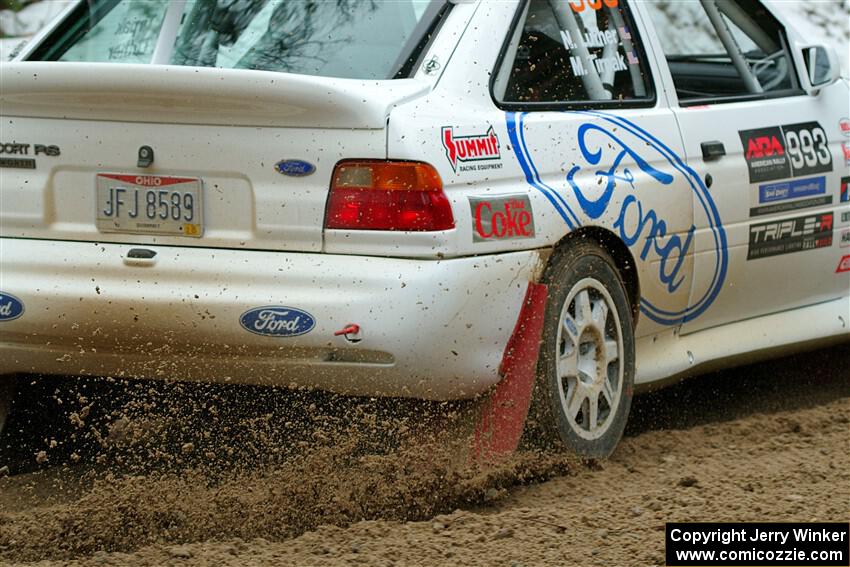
[(429, 329)]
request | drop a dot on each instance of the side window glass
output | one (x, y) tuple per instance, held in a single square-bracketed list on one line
[(722, 48), (572, 51)]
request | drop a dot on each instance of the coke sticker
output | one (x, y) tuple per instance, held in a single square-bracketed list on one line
[(506, 217)]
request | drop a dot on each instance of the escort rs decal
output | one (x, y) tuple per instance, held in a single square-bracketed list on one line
[(642, 229), (790, 235), (782, 193), (277, 321), (780, 152), (475, 148), (10, 307), (24, 149), (501, 218), (18, 150)]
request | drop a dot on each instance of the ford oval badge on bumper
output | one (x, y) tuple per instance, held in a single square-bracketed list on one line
[(277, 321), (10, 307)]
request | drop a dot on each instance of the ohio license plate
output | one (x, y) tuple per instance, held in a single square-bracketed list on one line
[(149, 204)]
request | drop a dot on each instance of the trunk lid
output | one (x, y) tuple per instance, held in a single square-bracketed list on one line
[(65, 124)]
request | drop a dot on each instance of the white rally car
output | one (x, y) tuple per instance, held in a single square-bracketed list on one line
[(423, 199)]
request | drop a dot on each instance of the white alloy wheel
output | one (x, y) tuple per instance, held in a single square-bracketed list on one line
[(586, 368), (589, 354)]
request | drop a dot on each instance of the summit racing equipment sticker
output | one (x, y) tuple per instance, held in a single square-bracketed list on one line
[(790, 235), (501, 218), (843, 265), (476, 148), (780, 152), (613, 152)]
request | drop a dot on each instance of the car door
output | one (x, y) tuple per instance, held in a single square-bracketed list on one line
[(591, 132), (769, 153)]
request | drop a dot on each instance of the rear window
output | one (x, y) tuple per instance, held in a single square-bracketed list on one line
[(360, 39)]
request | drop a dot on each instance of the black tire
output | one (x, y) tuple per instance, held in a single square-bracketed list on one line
[(583, 280)]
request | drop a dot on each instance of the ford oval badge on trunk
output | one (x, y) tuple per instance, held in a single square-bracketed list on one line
[(294, 167), (277, 321), (10, 307)]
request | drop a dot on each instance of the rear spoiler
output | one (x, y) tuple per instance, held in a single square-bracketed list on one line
[(198, 95)]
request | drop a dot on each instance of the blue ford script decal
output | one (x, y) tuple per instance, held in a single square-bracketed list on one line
[(634, 152), (275, 321), (295, 167), (10, 307)]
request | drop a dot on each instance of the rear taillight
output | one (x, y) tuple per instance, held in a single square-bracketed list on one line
[(387, 195)]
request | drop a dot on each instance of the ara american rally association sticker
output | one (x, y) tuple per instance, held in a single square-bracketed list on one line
[(501, 218), (277, 321), (479, 151), (791, 150), (844, 196), (10, 307)]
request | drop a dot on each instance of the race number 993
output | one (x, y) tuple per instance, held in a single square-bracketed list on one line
[(808, 148)]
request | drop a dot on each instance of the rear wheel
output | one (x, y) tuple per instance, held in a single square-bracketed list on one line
[(586, 368)]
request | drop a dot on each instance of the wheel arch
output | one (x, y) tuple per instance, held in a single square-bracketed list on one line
[(620, 253)]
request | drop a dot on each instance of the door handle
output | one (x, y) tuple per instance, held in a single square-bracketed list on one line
[(712, 150)]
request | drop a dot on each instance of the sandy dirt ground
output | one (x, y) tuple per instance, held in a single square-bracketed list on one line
[(190, 487)]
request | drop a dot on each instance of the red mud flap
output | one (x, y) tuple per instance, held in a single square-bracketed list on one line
[(503, 413)]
